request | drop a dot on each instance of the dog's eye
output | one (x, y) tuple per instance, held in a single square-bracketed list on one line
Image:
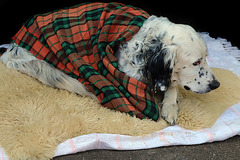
[(197, 63)]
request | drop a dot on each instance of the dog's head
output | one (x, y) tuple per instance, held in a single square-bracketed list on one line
[(176, 53)]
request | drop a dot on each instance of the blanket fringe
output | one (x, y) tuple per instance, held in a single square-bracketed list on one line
[(232, 50), (3, 48), (4, 45)]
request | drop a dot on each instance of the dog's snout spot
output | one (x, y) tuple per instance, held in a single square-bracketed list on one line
[(186, 87), (214, 84), (200, 74)]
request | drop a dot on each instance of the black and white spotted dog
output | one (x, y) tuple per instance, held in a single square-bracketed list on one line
[(162, 54)]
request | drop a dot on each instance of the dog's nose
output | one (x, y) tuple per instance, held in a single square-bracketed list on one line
[(214, 85)]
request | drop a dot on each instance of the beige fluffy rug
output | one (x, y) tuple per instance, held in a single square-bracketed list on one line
[(35, 118)]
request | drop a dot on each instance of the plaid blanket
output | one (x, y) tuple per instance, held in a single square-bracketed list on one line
[(81, 40)]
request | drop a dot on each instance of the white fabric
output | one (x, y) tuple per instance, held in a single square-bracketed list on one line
[(221, 55), (4, 45)]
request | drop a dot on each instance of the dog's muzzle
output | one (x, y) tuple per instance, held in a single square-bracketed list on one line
[(214, 84)]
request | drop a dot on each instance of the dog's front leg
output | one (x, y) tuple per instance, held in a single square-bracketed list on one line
[(169, 107)]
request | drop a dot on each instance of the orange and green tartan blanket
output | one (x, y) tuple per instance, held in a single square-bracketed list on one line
[(81, 41)]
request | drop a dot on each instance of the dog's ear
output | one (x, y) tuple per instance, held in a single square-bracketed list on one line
[(159, 67)]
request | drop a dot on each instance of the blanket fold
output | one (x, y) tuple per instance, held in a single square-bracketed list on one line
[(81, 40)]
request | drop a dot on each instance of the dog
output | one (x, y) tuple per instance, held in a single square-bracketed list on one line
[(161, 54), (164, 55)]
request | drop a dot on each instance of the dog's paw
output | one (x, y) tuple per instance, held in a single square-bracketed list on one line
[(169, 113)]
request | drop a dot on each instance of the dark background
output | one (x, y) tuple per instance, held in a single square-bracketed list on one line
[(219, 18)]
